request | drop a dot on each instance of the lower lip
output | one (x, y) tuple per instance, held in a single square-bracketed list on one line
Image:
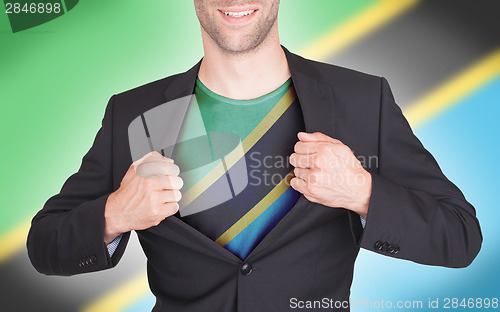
[(237, 20)]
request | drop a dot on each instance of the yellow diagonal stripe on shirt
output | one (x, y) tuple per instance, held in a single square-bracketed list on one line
[(356, 28), (255, 212), (233, 157), (450, 92)]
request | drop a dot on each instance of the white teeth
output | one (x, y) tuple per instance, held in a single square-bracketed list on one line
[(239, 14)]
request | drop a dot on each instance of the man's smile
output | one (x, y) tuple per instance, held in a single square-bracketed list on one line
[(237, 15)]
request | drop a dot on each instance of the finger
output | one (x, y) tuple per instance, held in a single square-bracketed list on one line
[(301, 186), (302, 173), (307, 147), (171, 183), (157, 157), (152, 156), (143, 158), (172, 169), (171, 196), (316, 137), (157, 169), (171, 208), (302, 161)]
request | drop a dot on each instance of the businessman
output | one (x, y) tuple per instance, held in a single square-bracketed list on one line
[(268, 240)]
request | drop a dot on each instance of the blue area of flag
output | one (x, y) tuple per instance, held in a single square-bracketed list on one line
[(146, 303), (466, 143), (246, 241), (465, 140)]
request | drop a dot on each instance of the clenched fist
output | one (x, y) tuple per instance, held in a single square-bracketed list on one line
[(327, 172), (148, 193)]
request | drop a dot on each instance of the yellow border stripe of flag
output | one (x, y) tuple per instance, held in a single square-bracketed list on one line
[(255, 212), (451, 91), (13, 241), (122, 296), (233, 157), (354, 29)]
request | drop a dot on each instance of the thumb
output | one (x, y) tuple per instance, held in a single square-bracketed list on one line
[(316, 137)]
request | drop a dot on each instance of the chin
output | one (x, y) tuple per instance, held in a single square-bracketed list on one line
[(238, 44)]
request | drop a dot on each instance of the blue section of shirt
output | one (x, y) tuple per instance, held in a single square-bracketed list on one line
[(246, 241)]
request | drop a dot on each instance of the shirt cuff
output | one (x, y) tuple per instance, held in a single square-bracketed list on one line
[(112, 246), (363, 221)]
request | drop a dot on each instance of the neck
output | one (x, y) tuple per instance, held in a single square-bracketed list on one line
[(245, 75)]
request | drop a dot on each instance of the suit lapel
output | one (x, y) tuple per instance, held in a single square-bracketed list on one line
[(318, 109), (316, 98), (183, 84)]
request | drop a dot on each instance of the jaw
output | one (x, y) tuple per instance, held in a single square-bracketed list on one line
[(236, 29)]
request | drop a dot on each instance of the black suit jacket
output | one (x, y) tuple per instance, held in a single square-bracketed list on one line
[(415, 212)]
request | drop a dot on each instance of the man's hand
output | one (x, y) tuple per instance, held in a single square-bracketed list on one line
[(327, 172), (148, 193)]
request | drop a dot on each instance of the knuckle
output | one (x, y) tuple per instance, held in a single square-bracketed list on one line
[(168, 160), (317, 161), (326, 149), (313, 176), (345, 150), (148, 183), (322, 148)]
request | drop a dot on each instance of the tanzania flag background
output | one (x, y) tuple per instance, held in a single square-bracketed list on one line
[(442, 59)]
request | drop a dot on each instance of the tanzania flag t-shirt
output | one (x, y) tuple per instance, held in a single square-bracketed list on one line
[(233, 156)]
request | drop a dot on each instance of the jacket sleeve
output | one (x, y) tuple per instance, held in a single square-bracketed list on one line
[(67, 236), (415, 212)]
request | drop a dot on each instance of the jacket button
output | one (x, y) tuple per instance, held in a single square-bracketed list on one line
[(385, 245), (396, 249), (93, 260), (246, 269), (390, 249), (82, 263), (378, 245)]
